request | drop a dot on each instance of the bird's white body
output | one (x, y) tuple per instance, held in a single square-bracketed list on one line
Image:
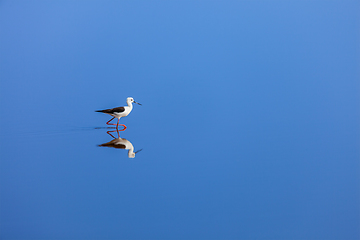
[(126, 112)]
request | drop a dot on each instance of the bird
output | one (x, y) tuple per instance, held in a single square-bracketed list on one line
[(119, 112)]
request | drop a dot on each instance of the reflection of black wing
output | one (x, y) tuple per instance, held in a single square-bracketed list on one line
[(110, 144), (112, 110)]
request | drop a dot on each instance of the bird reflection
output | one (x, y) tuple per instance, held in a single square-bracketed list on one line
[(120, 143)]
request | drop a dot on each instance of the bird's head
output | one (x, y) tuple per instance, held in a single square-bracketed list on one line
[(131, 100), (132, 154)]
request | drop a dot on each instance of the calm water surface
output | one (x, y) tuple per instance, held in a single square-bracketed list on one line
[(249, 127)]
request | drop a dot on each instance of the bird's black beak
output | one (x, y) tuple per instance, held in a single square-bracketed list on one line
[(137, 103), (138, 151)]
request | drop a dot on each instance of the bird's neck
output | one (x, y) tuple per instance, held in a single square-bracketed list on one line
[(130, 104), (131, 151)]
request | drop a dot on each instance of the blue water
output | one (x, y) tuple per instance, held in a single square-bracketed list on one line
[(249, 127)]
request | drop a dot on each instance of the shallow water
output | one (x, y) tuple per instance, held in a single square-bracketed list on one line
[(249, 127)]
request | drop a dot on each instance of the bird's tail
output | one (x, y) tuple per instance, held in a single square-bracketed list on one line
[(99, 111)]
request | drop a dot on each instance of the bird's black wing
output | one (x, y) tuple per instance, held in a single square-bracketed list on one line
[(110, 144), (112, 110)]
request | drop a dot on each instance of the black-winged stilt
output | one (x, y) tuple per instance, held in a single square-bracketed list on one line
[(119, 112)]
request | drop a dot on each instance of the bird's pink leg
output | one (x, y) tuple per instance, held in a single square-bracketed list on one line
[(117, 125), (108, 122)]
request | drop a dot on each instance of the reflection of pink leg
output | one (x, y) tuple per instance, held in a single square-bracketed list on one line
[(108, 122), (109, 132)]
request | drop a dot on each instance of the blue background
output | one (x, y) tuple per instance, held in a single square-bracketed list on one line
[(250, 124)]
